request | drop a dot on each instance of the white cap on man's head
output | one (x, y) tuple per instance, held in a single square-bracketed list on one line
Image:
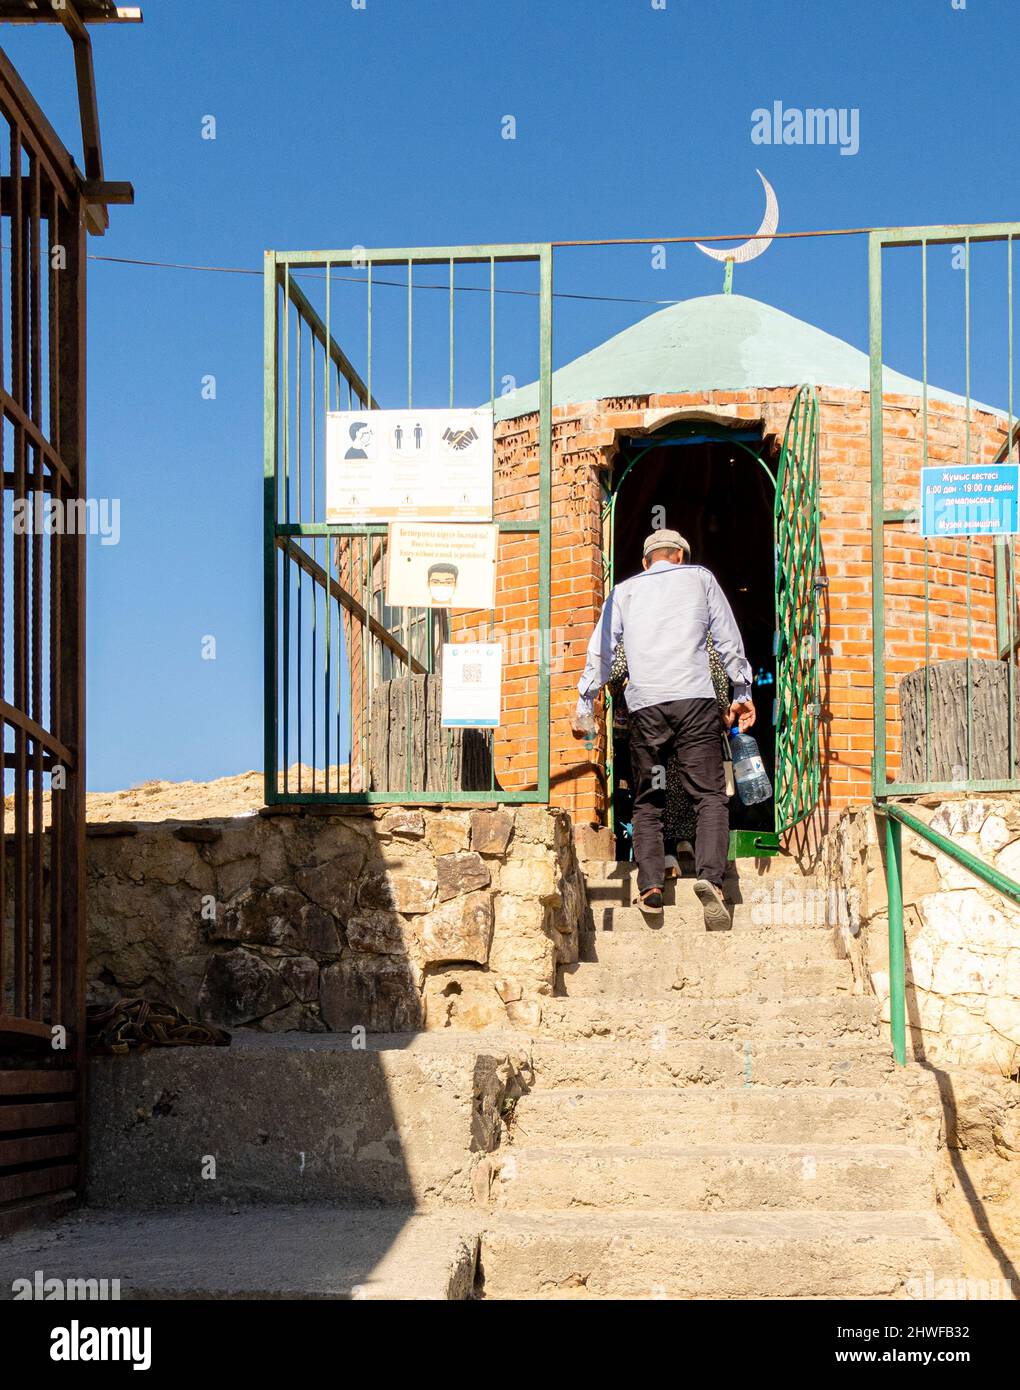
[(665, 540)]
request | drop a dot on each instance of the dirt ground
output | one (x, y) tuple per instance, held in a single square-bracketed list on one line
[(240, 795), (982, 1208)]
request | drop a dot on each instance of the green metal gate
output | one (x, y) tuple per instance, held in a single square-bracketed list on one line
[(798, 583), (333, 646), (980, 624)]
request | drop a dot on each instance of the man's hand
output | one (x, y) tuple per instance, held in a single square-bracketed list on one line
[(742, 710)]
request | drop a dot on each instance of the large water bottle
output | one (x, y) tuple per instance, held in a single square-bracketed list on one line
[(749, 773), (586, 723)]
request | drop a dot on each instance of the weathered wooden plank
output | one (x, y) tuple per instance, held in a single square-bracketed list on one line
[(37, 1149), (935, 699), (41, 1081), (43, 1115), (17, 1186)]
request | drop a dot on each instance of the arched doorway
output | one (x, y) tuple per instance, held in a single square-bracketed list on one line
[(749, 508)]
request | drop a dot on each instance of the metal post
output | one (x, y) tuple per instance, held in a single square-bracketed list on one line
[(545, 513), (877, 512), (897, 979), (269, 488)]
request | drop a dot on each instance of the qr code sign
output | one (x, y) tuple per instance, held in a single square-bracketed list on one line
[(472, 673)]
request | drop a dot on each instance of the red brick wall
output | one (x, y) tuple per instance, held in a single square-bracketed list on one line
[(584, 440)]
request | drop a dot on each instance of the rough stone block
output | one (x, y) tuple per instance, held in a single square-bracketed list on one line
[(459, 930), (446, 832), (379, 995), (333, 884), (240, 987), (400, 892), (461, 873), (379, 931)]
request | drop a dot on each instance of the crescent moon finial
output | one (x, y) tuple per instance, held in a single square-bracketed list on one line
[(761, 241)]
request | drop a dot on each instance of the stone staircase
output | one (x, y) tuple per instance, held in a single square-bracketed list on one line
[(715, 1115), (697, 1115)]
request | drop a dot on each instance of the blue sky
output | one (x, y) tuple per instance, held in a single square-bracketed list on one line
[(382, 127)]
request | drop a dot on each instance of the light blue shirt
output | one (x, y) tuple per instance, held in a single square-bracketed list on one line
[(663, 617)]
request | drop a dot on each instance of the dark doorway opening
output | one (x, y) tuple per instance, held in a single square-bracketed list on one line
[(721, 499)]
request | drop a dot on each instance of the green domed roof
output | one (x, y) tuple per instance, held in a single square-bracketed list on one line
[(717, 342)]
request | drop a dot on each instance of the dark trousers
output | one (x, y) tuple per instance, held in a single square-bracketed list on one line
[(692, 729)]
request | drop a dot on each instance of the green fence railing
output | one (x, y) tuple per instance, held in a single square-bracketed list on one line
[(896, 817)]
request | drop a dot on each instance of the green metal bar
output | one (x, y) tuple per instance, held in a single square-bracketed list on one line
[(270, 433), (987, 873), (970, 678), (420, 255), (899, 788), (877, 507), (409, 612), (897, 971), (329, 528), (1011, 583), (545, 510), (451, 333), (286, 513), (314, 587), (367, 673), (423, 798), (368, 346), (492, 406), (924, 452), (327, 607), (949, 233), (300, 593), (321, 331), (328, 653)]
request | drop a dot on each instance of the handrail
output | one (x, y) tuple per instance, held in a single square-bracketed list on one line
[(895, 818)]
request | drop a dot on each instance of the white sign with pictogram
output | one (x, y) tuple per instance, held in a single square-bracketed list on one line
[(415, 465), (441, 564)]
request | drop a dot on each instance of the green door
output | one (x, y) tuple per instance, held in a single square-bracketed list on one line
[(798, 615)]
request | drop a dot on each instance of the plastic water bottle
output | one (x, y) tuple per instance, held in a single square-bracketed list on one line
[(749, 773), (586, 722)]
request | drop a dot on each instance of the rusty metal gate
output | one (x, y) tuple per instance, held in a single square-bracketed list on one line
[(42, 600)]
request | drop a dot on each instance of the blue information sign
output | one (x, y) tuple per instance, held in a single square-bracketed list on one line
[(972, 501)]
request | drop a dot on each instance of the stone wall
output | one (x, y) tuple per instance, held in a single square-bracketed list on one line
[(962, 938), (391, 919)]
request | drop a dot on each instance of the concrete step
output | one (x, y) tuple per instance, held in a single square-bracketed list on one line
[(650, 980), (642, 1116), (754, 951), (663, 1021), (707, 1177), (794, 895), (297, 1117), (256, 1253), (687, 916), (632, 1254), (700, 1062), (778, 868)]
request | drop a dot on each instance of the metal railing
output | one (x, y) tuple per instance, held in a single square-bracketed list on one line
[(964, 614), (339, 661), (896, 817), (42, 648)]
